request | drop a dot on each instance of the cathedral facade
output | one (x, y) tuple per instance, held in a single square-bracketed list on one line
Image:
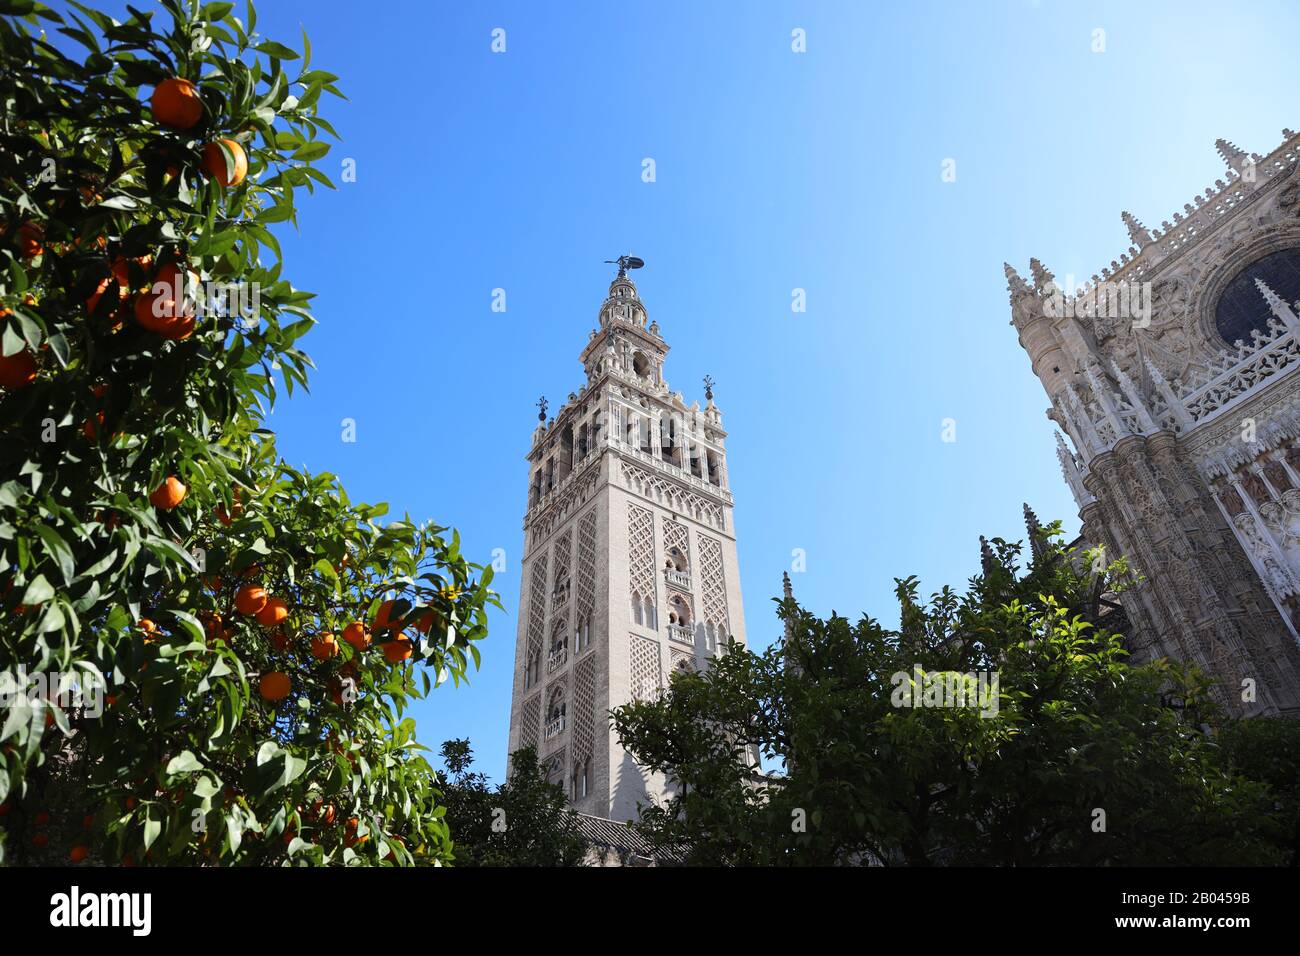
[(1174, 377), (630, 567)]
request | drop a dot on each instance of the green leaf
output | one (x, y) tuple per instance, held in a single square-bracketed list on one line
[(185, 762)]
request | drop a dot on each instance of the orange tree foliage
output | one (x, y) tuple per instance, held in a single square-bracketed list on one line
[(102, 402)]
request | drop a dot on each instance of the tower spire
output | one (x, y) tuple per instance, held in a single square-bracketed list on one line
[(987, 561), (1234, 157), (1042, 275), (1034, 528), (1139, 233), (1277, 305), (1016, 285)]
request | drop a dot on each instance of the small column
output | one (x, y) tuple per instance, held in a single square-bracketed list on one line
[(1102, 393), (1091, 440), (1166, 391), (1264, 529), (1279, 456), (1258, 471), (1131, 393)]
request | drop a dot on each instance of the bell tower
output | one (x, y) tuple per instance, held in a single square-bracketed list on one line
[(630, 566)]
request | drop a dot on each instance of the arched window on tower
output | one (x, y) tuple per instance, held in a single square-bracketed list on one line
[(638, 609), (556, 710), (582, 634), (559, 650), (532, 669), (581, 779)]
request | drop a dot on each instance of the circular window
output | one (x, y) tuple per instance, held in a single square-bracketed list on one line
[(1242, 308)]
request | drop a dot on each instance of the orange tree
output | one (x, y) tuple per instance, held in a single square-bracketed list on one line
[(257, 636)]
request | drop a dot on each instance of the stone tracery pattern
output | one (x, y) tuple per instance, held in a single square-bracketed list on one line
[(561, 589), (645, 673), (530, 721), (713, 582), (641, 552), (586, 585), (584, 707), (536, 609), (661, 489), (676, 536)]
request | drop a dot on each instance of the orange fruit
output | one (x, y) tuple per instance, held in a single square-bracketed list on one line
[(250, 599), (425, 622), (78, 853), (31, 235), (93, 300), (272, 613), (176, 103), (384, 616), (324, 646), (215, 163), (398, 650), (17, 370), (88, 821), (279, 639), (355, 634), (213, 627), (274, 686), (169, 494), (90, 427), (40, 839), (121, 269), (41, 819)]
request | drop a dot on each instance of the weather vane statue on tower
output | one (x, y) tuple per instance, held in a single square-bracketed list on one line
[(625, 263)]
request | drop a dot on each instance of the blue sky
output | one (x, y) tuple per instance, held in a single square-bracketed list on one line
[(775, 170)]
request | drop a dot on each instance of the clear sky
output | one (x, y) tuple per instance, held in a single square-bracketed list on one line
[(774, 170)]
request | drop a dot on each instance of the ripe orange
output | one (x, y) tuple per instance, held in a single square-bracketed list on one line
[(384, 619), (121, 270), (78, 853), (355, 634), (93, 300), (274, 686), (426, 621), (336, 690), (272, 613), (90, 427), (213, 627), (279, 639), (324, 646), (31, 235), (41, 819), (250, 599), (40, 839), (215, 164), (168, 306), (88, 821), (169, 494), (176, 103), (398, 650), (17, 370)]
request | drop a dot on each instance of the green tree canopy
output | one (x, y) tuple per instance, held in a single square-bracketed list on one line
[(523, 822), (1074, 757), (257, 634)]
